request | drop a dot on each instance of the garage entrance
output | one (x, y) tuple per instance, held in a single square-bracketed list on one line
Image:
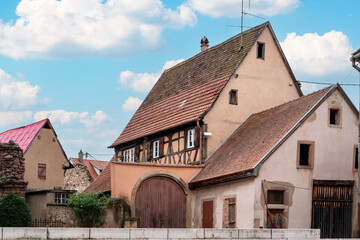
[(332, 208), (160, 202)]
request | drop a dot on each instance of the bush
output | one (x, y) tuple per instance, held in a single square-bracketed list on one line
[(88, 208), (14, 212)]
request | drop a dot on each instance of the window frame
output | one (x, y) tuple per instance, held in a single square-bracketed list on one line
[(355, 150), (226, 221), (262, 50), (63, 199), (156, 149), (42, 170), (339, 123), (129, 155), (190, 143), (235, 91), (311, 155)]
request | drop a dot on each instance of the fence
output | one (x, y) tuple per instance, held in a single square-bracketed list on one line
[(46, 223)]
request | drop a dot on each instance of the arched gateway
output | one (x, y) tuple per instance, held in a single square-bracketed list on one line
[(160, 202)]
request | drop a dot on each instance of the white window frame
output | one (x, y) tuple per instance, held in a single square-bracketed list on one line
[(129, 155), (156, 148), (191, 138)]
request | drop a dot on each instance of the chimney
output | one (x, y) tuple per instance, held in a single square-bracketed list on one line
[(204, 43), (81, 156)]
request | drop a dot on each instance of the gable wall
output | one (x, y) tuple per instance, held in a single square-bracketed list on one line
[(261, 84), (333, 160), (45, 150)]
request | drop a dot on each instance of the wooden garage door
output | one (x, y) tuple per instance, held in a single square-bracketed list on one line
[(160, 203)]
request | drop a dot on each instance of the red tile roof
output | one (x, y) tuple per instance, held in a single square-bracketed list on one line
[(256, 139), (24, 135), (103, 182), (193, 84), (90, 164)]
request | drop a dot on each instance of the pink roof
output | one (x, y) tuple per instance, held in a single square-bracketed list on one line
[(24, 135)]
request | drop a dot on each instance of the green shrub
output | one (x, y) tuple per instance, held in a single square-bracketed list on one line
[(88, 208), (14, 212)]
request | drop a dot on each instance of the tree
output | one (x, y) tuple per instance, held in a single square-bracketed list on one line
[(88, 208), (14, 212)]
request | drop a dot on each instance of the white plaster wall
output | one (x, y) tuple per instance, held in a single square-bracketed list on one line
[(333, 160), (244, 192), (261, 84)]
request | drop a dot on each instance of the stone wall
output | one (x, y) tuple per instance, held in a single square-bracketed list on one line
[(77, 178), (12, 169), (61, 213)]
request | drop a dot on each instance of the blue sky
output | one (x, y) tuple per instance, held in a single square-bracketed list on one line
[(88, 64)]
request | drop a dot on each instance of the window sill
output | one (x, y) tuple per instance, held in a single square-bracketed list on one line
[(277, 206), (304, 167), (334, 125)]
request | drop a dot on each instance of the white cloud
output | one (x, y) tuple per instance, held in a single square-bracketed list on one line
[(15, 94), (64, 117), (307, 88), (7, 118), (131, 104), (318, 55), (232, 8), (143, 82), (67, 28)]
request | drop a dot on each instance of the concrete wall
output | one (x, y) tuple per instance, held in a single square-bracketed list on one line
[(159, 233), (333, 160), (242, 190), (261, 84), (38, 203), (45, 149)]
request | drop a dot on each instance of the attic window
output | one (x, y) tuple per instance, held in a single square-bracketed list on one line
[(261, 50), (334, 116), (233, 97), (305, 158)]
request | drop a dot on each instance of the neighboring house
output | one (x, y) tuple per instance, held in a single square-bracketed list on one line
[(95, 167), (45, 163), (295, 164), (190, 111)]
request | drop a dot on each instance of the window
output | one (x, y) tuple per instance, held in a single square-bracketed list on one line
[(61, 198), (305, 158), (156, 149), (356, 159), (233, 97), (229, 212), (191, 138), (42, 170), (261, 50), (129, 155), (275, 197), (334, 116)]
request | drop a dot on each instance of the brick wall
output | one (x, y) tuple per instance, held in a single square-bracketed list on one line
[(12, 169)]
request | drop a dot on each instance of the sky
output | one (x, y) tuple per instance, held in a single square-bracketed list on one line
[(88, 64)]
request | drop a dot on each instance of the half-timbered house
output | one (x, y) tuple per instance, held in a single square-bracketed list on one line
[(190, 111)]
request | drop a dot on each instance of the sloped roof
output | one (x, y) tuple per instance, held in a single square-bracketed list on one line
[(25, 135), (103, 182), (193, 84), (260, 135), (90, 164)]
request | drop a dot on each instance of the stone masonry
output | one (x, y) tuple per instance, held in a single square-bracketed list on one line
[(77, 178), (12, 169)]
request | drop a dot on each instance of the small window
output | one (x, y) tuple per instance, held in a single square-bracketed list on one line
[(156, 149), (229, 212), (191, 138), (42, 170), (233, 97), (334, 116), (261, 50), (62, 198), (305, 156), (275, 197), (356, 158), (129, 155)]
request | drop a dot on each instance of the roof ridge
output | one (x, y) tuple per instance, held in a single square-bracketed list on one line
[(217, 45), (294, 100)]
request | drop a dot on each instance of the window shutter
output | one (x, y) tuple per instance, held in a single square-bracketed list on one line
[(148, 151), (197, 137), (161, 147), (137, 154)]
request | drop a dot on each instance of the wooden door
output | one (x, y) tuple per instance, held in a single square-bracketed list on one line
[(207, 218), (160, 203), (332, 208)]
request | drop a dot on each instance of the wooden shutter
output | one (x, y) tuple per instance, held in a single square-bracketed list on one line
[(137, 154), (197, 137), (161, 147), (148, 150), (42, 170)]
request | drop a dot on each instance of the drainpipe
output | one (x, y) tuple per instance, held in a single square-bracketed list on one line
[(355, 59)]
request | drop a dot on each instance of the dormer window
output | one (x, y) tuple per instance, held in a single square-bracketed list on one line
[(233, 97), (191, 138), (334, 116), (261, 50), (156, 149)]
